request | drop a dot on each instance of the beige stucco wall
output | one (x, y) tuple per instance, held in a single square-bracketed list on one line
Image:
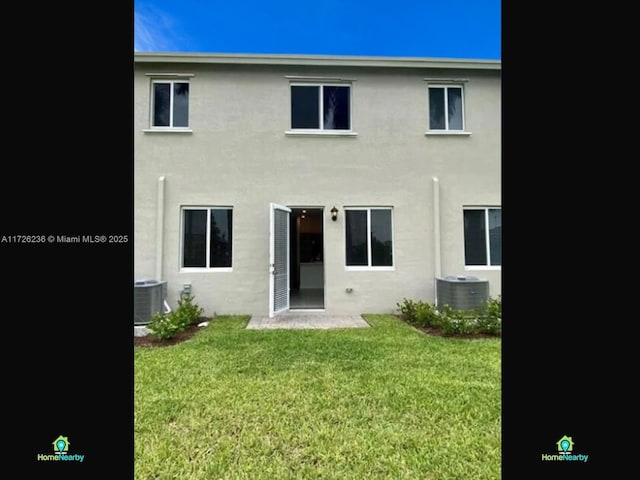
[(238, 155)]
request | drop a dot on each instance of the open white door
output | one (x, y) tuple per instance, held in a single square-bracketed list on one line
[(278, 259)]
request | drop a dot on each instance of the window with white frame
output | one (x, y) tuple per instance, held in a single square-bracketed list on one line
[(207, 237), (323, 107), (483, 236), (446, 107), (169, 103), (369, 237)]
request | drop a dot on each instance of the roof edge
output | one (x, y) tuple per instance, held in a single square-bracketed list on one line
[(316, 60)]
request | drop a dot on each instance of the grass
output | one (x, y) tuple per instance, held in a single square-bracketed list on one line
[(387, 402)]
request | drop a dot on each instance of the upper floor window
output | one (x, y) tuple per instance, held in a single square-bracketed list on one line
[(170, 104), (320, 107), (207, 237), (369, 237), (446, 108), (483, 236)]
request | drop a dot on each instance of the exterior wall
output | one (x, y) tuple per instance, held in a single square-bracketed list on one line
[(238, 155)]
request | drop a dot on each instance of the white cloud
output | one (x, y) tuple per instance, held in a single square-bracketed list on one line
[(153, 30)]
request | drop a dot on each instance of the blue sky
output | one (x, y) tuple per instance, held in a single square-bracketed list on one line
[(401, 28)]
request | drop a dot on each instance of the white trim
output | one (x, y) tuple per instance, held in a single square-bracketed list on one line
[(370, 267), (447, 132), (482, 207), (311, 78), (167, 130), (469, 268), (321, 130), (317, 60), (208, 209), (446, 80), (487, 239), (205, 269), (171, 75), (323, 209), (321, 133)]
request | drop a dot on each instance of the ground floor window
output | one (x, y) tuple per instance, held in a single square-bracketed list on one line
[(369, 237), (207, 237), (483, 236)]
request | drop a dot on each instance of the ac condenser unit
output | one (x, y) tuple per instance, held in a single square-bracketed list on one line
[(461, 292), (149, 297)]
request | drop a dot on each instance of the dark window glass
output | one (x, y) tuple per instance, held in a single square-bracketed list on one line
[(305, 107), (436, 109), (356, 237), (495, 236), (475, 246), (181, 105), (195, 238), (220, 250), (194, 241), (336, 108), (161, 104), (454, 102), (381, 240)]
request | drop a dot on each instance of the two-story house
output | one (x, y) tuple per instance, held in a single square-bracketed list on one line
[(265, 183)]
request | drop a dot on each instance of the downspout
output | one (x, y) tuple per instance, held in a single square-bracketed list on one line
[(160, 236), (436, 234), (159, 228)]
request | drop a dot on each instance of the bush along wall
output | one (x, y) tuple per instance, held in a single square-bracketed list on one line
[(165, 325), (485, 319)]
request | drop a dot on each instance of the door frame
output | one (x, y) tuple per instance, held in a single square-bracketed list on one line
[(322, 210)]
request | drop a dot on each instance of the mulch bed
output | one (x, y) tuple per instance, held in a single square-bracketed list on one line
[(439, 333), (151, 341)]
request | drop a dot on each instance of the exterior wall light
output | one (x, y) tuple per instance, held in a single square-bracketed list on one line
[(334, 214)]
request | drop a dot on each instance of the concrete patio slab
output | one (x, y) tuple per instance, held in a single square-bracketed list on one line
[(306, 320)]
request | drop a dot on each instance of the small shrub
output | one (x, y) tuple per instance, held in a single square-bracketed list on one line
[(187, 312), (491, 321), (427, 315), (418, 312), (489, 325), (485, 319), (494, 307), (407, 308), (457, 322), (165, 325)]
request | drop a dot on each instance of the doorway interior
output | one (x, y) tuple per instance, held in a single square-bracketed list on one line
[(306, 269)]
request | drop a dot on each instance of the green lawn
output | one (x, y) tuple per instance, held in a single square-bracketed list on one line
[(386, 402)]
